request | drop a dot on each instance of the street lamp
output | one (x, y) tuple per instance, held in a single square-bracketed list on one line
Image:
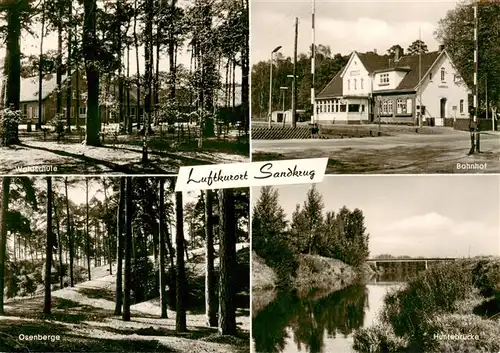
[(271, 85)]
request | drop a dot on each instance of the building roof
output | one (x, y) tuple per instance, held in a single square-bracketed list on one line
[(372, 61), (333, 88), (29, 87), (412, 79), (376, 63)]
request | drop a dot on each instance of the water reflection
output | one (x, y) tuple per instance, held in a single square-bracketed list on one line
[(292, 325), (309, 323)]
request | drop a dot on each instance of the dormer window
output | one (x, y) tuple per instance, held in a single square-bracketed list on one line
[(348, 84), (355, 84), (384, 79), (430, 76), (361, 83), (443, 75)]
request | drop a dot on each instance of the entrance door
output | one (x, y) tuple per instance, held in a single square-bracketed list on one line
[(443, 108)]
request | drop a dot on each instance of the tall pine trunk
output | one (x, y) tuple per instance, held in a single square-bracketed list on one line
[(38, 125), (59, 245), (48, 249), (180, 317), (69, 79), (119, 248), (128, 250), (163, 283), (59, 70), (3, 236), (87, 225), (70, 236), (227, 263), (171, 54), (129, 117), (136, 44), (89, 50), (12, 69), (210, 298)]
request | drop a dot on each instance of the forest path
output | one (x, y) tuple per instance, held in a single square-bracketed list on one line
[(83, 317)]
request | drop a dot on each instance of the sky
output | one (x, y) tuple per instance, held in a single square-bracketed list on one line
[(432, 216), (344, 25)]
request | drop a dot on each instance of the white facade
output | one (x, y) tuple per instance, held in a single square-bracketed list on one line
[(356, 80), (388, 80), (443, 92)]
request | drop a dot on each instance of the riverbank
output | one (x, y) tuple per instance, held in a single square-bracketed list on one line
[(315, 277), (450, 308)]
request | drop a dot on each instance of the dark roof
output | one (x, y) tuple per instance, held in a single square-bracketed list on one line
[(333, 88), (412, 78), (374, 62)]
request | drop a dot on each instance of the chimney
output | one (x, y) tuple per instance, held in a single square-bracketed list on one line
[(375, 51), (396, 55), (441, 48)]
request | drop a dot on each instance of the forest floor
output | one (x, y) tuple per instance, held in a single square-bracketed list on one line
[(120, 154), (83, 319)]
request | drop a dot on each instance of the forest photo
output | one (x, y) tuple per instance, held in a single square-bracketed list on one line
[(125, 86), (122, 264)]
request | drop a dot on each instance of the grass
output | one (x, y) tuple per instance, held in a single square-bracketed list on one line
[(451, 299)]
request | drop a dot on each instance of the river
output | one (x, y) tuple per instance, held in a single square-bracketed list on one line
[(292, 325)]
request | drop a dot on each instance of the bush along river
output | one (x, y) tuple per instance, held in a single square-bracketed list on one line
[(401, 309)]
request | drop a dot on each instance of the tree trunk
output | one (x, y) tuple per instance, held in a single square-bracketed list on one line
[(128, 250), (87, 225), (12, 69), (129, 118), (119, 248), (48, 250), (163, 284), (121, 116), (245, 71), (148, 55), (38, 125), (169, 246), (227, 263), (70, 236), (136, 43), (210, 298), (59, 70), (59, 245), (171, 54), (3, 236), (180, 317), (69, 78), (89, 50)]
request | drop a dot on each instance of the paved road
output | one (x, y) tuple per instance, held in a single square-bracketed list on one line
[(404, 153)]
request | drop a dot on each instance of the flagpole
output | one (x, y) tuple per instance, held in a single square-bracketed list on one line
[(476, 71), (313, 59), (420, 117)]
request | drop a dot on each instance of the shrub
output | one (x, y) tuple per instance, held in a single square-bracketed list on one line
[(409, 311), (379, 338)]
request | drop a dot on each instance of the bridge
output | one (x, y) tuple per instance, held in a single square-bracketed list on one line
[(415, 259)]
